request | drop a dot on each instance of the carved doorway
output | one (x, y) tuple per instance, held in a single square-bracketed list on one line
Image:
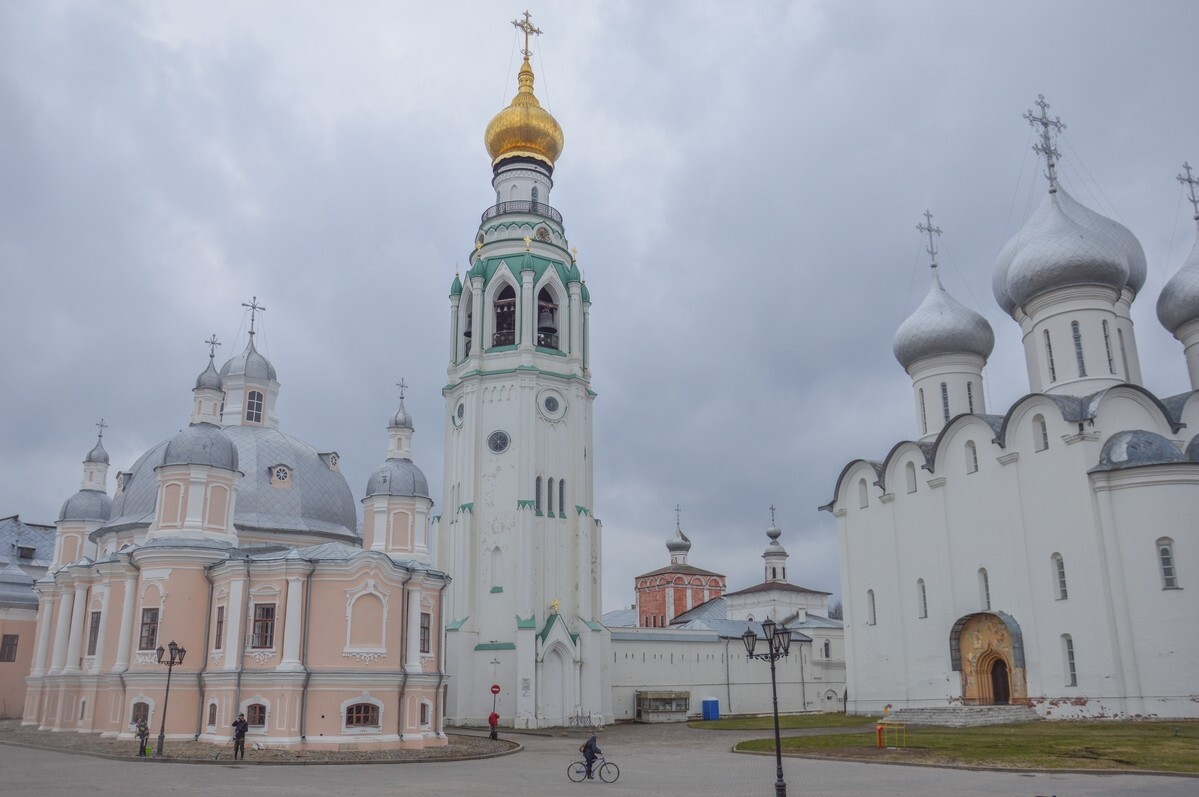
[(988, 650), (1001, 689)]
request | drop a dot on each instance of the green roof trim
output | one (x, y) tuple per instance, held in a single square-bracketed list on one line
[(454, 626), (456, 288), (518, 369), (518, 262), (531, 623), (437, 518), (593, 625), (505, 347), (526, 503), (467, 507), (582, 510), (549, 623), (496, 589), (543, 350), (496, 646)]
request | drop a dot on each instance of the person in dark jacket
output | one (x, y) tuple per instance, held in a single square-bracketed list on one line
[(143, 737), (590, 751), (239, 736)]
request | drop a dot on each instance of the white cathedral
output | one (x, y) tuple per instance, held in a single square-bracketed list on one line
[(1045, 557)]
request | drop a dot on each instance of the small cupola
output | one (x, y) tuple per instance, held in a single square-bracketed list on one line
[(677, 544), (775, 557)]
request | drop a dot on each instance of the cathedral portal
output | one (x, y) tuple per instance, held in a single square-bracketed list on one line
[(987, 648)]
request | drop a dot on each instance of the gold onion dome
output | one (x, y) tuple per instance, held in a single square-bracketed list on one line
[(524, 128)]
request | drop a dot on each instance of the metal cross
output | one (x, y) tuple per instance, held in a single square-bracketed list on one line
[(528, 242), (677, 514), (1190, 182), (527, 26), (927, 227), (102, 426), (212, 344), (254, 308), (1045, 145), (574, 254), (772, 514), (402, 385)]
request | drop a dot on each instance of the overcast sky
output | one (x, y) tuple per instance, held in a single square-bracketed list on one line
[(742, 182)]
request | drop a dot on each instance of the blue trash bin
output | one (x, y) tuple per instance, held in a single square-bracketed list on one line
[(711, 708)]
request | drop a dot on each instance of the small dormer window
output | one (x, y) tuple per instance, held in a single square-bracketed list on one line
[(280, 476), (333, 459), (25, 552), (254, 406)]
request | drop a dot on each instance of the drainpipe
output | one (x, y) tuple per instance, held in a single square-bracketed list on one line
[(728, 681), (121, 675), (204, 665), (241, 658), (304, 650), (404, 599), (439, 704), (803, 687)]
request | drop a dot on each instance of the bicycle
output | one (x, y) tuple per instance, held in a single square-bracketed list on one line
[(608, 771)]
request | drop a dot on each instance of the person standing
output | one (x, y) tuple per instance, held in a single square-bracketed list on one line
[(239, 736), (494, 722), (590, 750), (143, 737)]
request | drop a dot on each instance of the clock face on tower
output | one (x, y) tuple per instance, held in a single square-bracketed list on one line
[(552, 405), (498, 442)]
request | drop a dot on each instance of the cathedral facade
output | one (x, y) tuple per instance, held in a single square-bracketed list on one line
[(1044, 556)]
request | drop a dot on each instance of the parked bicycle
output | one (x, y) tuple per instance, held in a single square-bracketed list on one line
[(607, 771)]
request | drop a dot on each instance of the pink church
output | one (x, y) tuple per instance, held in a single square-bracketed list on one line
[(239, 543)]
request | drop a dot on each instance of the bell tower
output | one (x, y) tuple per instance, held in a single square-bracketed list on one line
[(518, 534)]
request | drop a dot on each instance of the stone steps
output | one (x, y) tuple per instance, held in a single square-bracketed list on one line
[(965, 716)]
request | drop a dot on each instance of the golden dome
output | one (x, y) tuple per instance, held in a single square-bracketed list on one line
[(524, 128)]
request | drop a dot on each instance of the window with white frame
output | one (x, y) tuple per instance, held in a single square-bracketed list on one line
[(923, 414), (1059, 576), (921, 599), (1165, 558), (910, 472), (256, 715), (362, 715), (1068, 660), (945, 401), (971, 457), (254, 406), (1040, 433), (148, 637), (871, 617), (984, 589), (1049, 358), (1107, 347), (1074, 330), (863, 496), (263, 635), (970, 397)]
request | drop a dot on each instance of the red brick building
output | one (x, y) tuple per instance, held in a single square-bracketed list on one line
[(669, 591)]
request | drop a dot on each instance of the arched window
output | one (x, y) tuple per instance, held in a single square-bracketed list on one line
[(1074, 330), (828, 649), (1165, 558), (1107, 347), (211, 714), (505, 317), (921, 599), (561, 496), (923, 414), (984, 589), (141, 711), (871, 618), (254, 406), (774, 572), (362, 715), (910, 471), (549, 498), (256, 715), (547, 320), (537, 496), (945, 401), (1040, 433), (533, 195), (863, 498), (970, 397), (1059, 575), (971, 457), (1123, 353), (1068, 660), (1049, 358), (468, 327)]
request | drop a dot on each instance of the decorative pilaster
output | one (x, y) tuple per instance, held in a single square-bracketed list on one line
[(293, 628), (412, 645), (62, 628), (125, 637)]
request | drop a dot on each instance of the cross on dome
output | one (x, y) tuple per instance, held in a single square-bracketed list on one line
[(402, 385), (927, 227), (677, 515), (102, 426), (528, 27), (212, 344), (772, 514), (1190, 182), (1045, 146), (255, 307)]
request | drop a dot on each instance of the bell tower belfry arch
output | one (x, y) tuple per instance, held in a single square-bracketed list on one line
[(517, 533)]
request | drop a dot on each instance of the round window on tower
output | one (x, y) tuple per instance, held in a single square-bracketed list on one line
[(498, 442), (461, 411), (552, 405)]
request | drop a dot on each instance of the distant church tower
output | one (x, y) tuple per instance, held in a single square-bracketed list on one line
[(517, 534)]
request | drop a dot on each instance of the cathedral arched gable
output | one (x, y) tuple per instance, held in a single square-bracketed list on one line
[(1130, 406), (855, 469), (902, 452), (964, 427), (1055, 410)]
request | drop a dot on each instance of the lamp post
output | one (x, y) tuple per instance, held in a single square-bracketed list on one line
[(176, 658), (778, 642)]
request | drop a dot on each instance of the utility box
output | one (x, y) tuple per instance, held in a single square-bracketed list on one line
[(663, 706)]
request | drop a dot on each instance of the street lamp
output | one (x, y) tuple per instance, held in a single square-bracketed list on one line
[(778, 642), (177, 654)]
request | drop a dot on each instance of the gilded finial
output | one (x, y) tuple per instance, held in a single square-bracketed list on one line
[(478, 246), (527, 26), (554, 605), (528, 242), (1045, 146), (927, 227), (574, 254)]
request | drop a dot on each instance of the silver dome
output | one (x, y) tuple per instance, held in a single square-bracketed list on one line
[(401, 420), (1192, 452), (209, 379), (319, 500), (1137, 447), (97, 454), (250, 364), (678, 542), (1179, 300), (201, 444), (1066, 243), (398, 477), (942, 325), (87, 505)]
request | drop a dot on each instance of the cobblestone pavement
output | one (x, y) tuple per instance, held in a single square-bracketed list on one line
[(654, 760)]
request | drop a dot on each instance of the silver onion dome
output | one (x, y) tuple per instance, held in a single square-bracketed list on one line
[(1192, 452), (249, 364), (1179, 300), (97, 455), (1065, 243), (1137, 447), (87, 505), (209, 379), (942, 325), (398, 477), (201, 444), (401, 420), (678, 542)]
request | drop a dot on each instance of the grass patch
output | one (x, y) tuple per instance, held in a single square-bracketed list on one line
[(786, 722), (1042, 745)]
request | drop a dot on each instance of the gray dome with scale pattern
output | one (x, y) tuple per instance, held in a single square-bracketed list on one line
[(1179, 300), (209, 379), (1135, 448), (86, 505), (1065, 243), (201, 444), (398, 477), (250, 364), (97, 454), (942, 325)]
